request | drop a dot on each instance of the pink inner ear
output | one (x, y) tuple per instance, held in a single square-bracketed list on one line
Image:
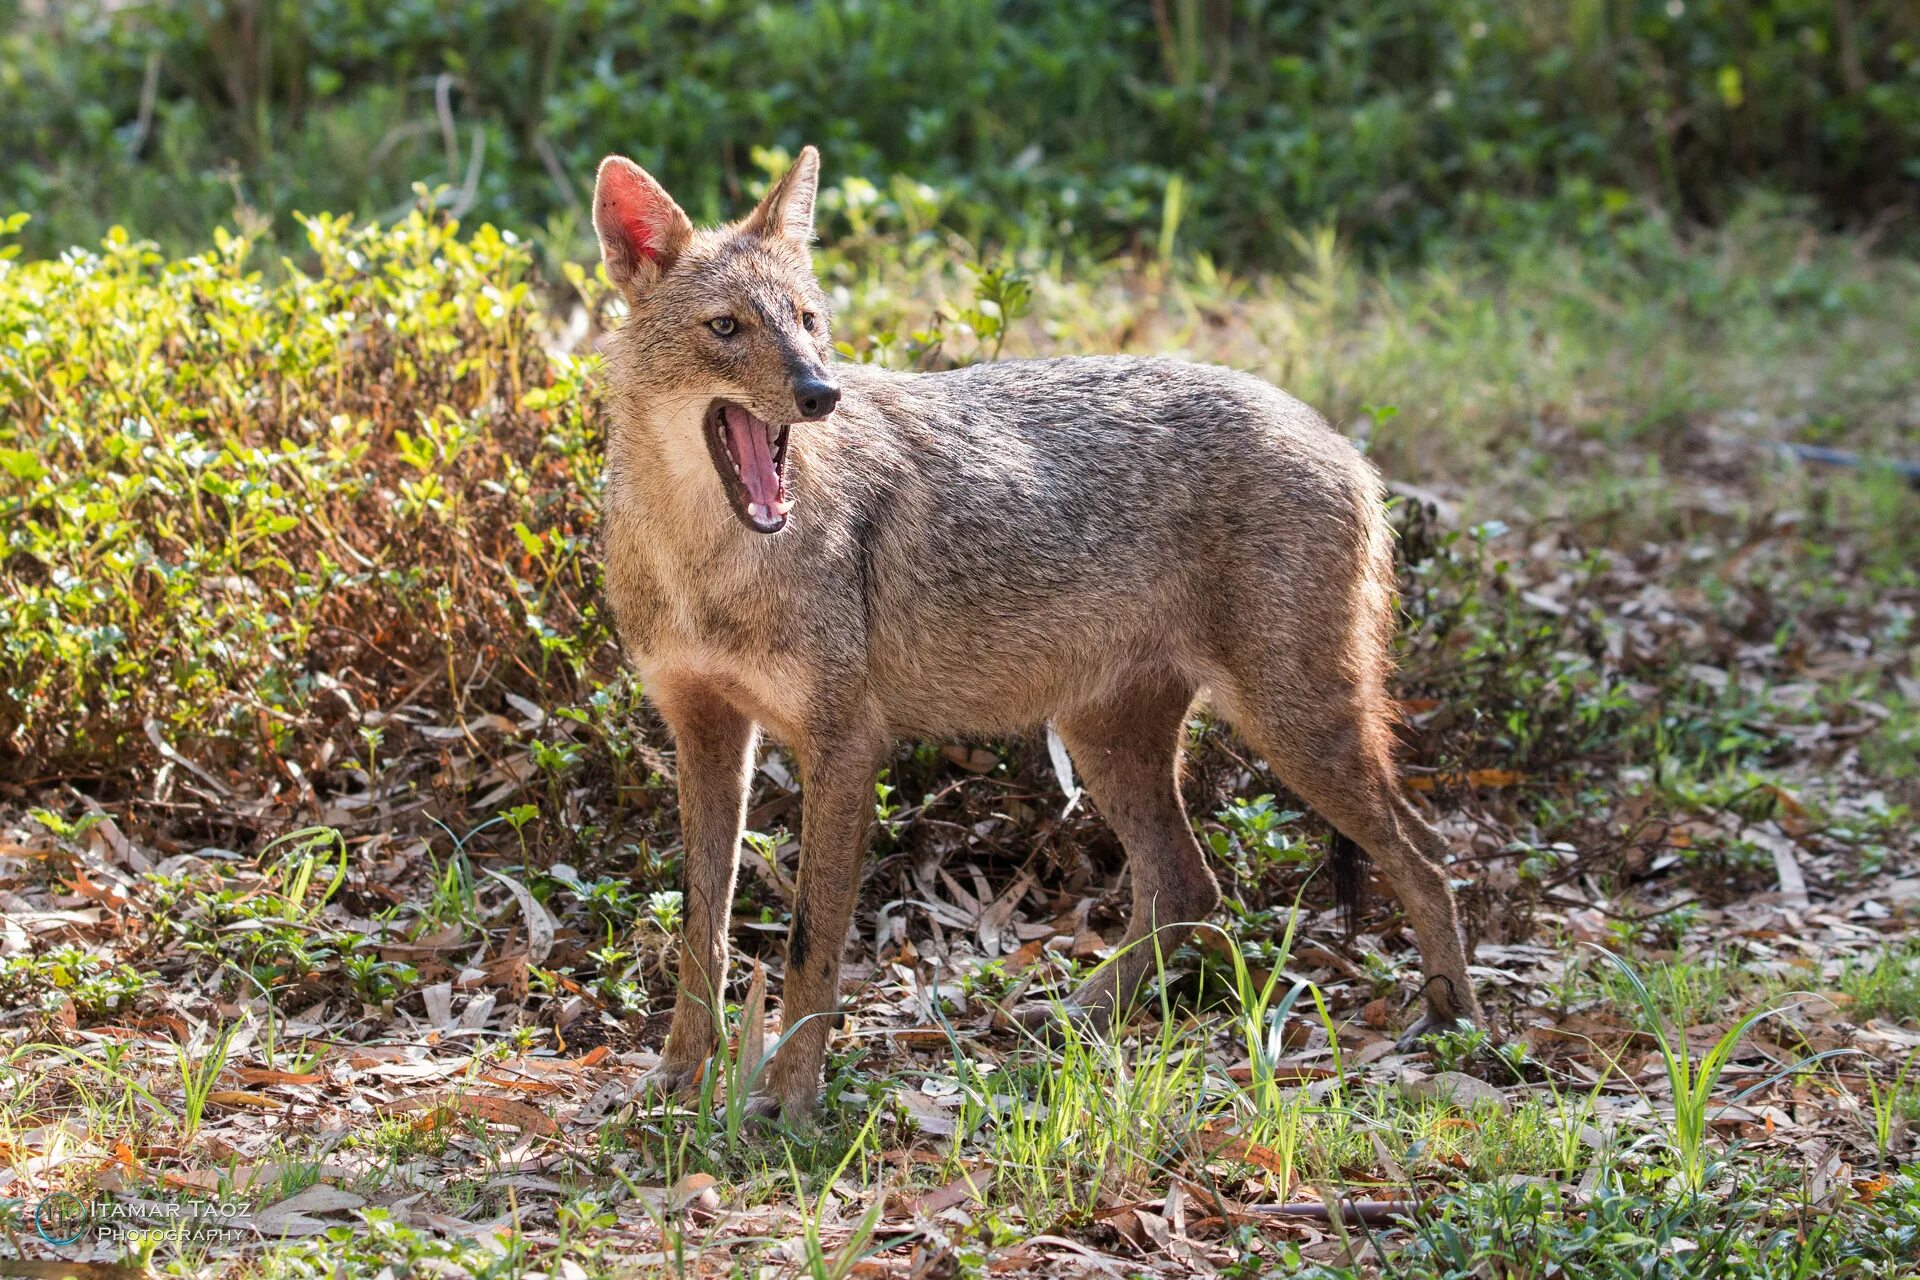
[(639, 207), (639, 233)]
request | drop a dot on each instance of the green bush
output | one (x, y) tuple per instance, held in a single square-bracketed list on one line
[(245, 509), (1398, 119)]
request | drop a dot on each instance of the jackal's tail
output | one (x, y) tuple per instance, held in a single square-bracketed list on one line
[(1347, 864)]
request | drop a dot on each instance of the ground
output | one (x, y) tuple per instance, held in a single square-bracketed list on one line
[(338, 858)]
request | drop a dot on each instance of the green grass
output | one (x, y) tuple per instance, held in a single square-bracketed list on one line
[(1887, 987), (402, 1137), (1622, 1232), (1693, 1078), (1894, 1105)]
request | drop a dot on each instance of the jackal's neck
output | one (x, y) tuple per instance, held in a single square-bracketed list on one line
[(661, 483)]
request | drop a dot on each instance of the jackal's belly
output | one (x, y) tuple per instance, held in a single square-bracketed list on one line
[(984, 683), (920, 648)]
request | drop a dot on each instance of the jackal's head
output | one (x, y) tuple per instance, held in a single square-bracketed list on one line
[(730, 318)]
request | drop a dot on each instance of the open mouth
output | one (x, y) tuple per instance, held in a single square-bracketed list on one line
[(751, 457)]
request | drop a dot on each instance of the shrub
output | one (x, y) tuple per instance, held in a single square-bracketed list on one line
[(239, 510), (1399, 119)]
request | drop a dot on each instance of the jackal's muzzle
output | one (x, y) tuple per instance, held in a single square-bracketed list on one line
[(751, 457)]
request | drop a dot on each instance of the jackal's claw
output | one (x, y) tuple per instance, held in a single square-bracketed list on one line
[(669, 1079)]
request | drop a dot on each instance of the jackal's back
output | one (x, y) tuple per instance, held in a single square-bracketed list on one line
[(1029, 532)]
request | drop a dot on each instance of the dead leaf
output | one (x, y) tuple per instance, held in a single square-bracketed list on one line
[(1480, 779), (239, 1098), (106, 895), (264, 1075), (523, 1085), (509, 972), (930, 1118), (964, 1189), (294, 1216), (506, 1111), (1087, 945), (318, 1198), (1218, 1142), (539, 923), (972, 759), (1455, 1088)]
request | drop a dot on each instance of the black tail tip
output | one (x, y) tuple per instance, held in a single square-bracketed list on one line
[(1347, 863)]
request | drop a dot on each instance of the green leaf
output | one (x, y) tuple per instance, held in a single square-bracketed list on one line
[(21, 465)]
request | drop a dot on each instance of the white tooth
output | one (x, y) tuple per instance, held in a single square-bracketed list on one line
[(755, 510)]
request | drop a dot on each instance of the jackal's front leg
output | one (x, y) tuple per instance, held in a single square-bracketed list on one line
[(836, 797), (714, 743)]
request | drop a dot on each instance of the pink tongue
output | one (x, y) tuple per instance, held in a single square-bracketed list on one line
[(754, 457)]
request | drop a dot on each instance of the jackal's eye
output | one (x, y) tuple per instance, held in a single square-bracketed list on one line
[(809, 320), (725, 326)]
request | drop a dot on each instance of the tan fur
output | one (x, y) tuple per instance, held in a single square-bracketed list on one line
[(1093, 542)]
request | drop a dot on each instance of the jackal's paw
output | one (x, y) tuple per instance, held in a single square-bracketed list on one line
[(671, 1078), (767, 1108), (1049, 1021)]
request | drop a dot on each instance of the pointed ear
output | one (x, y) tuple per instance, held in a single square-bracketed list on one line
[(641, 229), (787, 210)]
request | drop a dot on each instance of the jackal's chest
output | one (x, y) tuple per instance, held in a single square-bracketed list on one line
[(721, 636), (774, 688), (661, 612)]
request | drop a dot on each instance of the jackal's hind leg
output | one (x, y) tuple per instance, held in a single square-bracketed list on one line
[(1127, 752), (1335, 754)]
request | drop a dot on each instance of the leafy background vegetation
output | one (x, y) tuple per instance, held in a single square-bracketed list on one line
[(338, 856), (1085, 123)]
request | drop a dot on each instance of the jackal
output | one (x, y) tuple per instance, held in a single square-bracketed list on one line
[(840, 556)]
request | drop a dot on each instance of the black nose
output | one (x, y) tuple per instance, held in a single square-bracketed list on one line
[(815, 397)]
